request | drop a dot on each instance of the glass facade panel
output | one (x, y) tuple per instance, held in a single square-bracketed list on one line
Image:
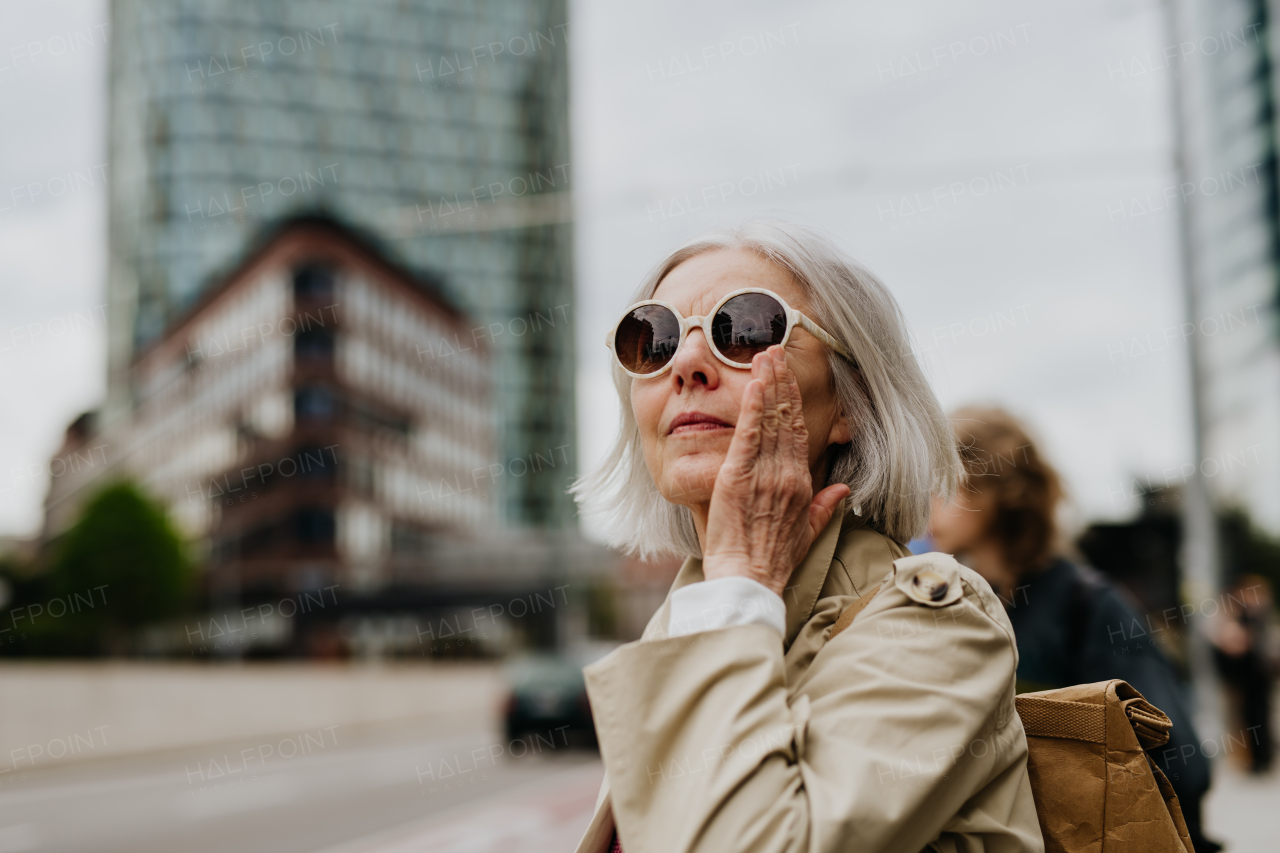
[(1237, 239), (227, 115)]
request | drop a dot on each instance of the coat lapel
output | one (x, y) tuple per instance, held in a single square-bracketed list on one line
[(802, 593)]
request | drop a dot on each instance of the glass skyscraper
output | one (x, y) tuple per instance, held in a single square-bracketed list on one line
[(1225, 56), (439, 130)]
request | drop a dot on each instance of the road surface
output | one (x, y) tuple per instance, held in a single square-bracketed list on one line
[(384, 790), (402, 789)]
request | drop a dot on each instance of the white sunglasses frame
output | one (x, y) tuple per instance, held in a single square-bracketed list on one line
[(794, 318)]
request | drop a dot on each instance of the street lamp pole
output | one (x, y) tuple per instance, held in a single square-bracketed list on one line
[(1201, 573)]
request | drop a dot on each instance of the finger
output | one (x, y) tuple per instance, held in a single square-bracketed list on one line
[(781, 398), (784, 447), (785, 401), (769, 417), (797, 430), (823, 506), (744, 448), (782, 393)]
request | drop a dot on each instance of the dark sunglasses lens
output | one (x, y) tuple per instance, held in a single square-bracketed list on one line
[(748, 324), (647, 338)]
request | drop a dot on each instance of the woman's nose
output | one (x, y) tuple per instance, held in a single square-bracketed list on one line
[(695, 363)]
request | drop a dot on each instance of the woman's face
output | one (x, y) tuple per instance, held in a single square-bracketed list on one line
[(684, 461), (956, 526)]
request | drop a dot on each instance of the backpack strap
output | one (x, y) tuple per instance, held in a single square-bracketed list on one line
[(1043, 717), (849, 614)]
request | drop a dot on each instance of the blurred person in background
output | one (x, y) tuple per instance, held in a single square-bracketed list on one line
[(1072, 625), (1243, 648)]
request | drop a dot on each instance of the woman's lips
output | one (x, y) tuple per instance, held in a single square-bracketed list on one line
[(692, 422)]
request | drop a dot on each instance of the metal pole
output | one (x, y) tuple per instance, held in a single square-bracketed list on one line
[(1201, 577)]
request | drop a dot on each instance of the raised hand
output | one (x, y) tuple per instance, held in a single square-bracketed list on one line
[(764, 515)]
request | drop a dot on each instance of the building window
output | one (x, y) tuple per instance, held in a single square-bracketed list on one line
[(314, 525), (313, 343), (316, 463), (313, 281), (254, 543), (407, 540), (314, 402), (360, 475)]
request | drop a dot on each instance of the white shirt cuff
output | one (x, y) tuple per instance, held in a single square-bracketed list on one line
[(725, 603)]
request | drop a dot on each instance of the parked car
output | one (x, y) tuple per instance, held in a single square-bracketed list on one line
[(547, 699)]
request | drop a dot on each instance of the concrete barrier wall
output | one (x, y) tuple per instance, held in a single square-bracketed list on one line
[(54, 713)]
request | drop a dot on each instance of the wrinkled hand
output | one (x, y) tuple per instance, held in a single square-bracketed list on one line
[(764, 515)]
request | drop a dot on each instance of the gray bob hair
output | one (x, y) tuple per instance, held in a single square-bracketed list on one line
[(903, 451)]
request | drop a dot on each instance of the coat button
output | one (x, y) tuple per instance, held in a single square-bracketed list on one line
[(931, 585)]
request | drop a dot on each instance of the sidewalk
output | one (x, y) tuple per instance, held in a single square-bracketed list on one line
[(65, 712), (1243, 811)]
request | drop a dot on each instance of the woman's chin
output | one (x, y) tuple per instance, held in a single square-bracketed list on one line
[(691, 480)]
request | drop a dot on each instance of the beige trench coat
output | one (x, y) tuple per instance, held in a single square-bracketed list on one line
[(900, 734)]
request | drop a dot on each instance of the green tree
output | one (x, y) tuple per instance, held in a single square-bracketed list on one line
[(125, 556)]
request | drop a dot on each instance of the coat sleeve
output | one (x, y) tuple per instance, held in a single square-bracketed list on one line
[(901, 719)]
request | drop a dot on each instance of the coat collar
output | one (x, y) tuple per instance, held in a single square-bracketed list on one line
[(806, 582)]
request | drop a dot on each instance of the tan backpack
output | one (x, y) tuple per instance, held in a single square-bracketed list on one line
[(1095, 788)]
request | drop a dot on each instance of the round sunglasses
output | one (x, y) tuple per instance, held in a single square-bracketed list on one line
[(742, 324)]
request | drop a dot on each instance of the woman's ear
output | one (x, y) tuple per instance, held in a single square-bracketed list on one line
[(840, 432)]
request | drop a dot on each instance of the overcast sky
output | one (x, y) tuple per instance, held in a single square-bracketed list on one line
[(974, 155), (52, 249)]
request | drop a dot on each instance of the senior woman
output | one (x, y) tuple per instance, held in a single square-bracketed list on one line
[(808, 685)]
